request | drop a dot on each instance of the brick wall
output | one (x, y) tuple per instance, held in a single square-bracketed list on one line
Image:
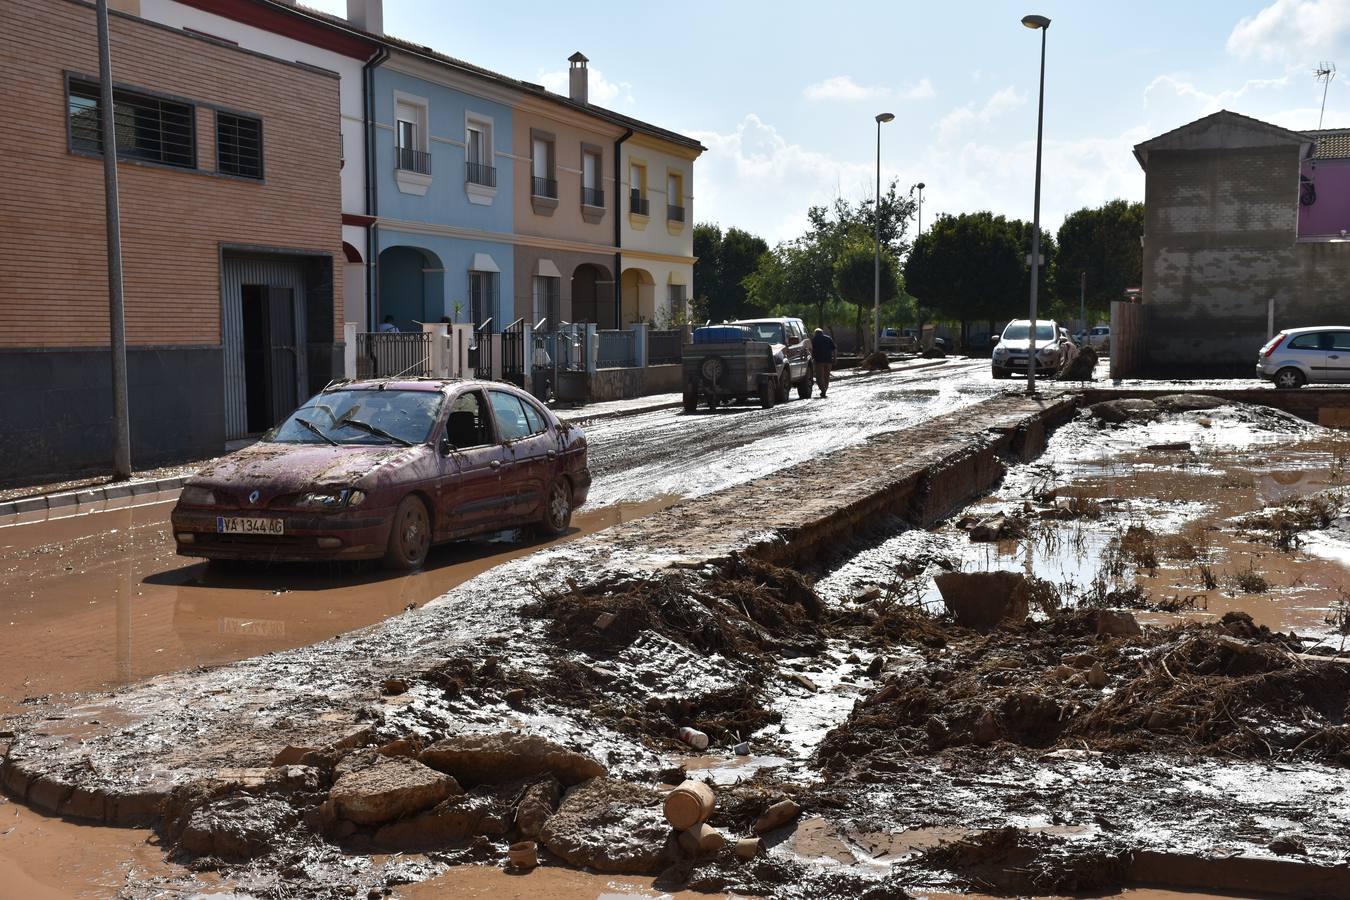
[(1220, 242), (53, 277)]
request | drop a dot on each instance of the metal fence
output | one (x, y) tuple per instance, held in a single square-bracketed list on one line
[(664, 347), (514, 353), (385, 354), (617, 350)]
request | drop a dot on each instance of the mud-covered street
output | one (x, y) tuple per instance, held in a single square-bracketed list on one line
[(100, 598), (1164, 677)]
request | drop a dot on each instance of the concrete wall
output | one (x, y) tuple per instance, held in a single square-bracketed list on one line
[(1220, 242)]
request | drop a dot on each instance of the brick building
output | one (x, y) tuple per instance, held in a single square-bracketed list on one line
[(1229, 235), (231, 232)]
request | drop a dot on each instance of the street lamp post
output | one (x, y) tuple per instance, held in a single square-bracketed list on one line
[(876, 234), (920, 228), (1042, 24), (117, 336)]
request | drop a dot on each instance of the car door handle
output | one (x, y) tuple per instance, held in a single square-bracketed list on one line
[(495, 464), (1334, 356), (553, 454)]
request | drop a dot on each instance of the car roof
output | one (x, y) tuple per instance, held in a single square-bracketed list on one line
[(405, 383), (1307, 329), (768, 321)]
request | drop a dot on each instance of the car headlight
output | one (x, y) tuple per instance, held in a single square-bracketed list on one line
[(197, 496), (327, 500), (1049, 350), (1000, 351)]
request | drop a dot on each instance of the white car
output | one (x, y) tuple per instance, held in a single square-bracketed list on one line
[(1099, 338), (1010, 354), (1299, 356)]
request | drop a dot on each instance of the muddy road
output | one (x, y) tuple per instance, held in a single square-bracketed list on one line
[(100, 599)]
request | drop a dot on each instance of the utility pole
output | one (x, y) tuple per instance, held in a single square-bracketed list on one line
[(117, 335), (1042, 24), (876, 238)]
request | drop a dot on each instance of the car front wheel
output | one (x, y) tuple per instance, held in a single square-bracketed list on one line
[(558, 510), (409, 536), (1289, 377)]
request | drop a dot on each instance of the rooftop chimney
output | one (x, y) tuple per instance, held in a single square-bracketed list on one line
[(367, 15), (576, 75)]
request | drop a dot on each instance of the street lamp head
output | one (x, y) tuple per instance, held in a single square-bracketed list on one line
[(1036, 22), (922, 185), (885, 117)]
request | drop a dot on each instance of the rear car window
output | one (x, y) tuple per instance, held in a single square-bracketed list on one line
[(1306, 342), (1340, 340), (510, 415)]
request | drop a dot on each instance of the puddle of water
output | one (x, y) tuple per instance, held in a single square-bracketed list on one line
[(44, 858), (98, 599), (544, 883)]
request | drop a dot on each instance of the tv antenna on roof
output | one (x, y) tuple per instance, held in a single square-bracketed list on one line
[(1324, 73)]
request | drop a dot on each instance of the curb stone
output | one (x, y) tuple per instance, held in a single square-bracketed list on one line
[(89, 496)]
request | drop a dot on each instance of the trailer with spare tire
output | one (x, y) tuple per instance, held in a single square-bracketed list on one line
[(724, 365)]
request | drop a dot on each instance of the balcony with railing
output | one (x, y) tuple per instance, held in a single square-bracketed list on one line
[(592, 197), (406, 159), (639, 205), (480, 174), (675, 213), (544, 187)]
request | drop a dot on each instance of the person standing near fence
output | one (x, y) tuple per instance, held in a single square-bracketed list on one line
[(822, 352), (388, 326)]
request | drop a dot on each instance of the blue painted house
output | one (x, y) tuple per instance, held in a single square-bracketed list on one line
[(442, 194)]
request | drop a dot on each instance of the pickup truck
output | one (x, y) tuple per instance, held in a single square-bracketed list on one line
[(759, 358)]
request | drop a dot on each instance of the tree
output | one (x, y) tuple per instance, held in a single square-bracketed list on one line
[(855, 273), (969, 267), (1104, 243), (724, 262)]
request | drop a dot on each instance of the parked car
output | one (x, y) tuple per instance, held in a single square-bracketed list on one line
[(1010, 356), (755, 358), (897, 340), (1299, 356), (1099, 338), (384, 469)]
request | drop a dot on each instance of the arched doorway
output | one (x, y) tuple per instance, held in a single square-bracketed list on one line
[(639, 296), (593, 295), (412, 287)]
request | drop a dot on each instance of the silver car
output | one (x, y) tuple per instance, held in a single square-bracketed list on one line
[(1299, 356)]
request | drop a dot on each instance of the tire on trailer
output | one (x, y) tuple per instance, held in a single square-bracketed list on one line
[(409, 536), (690, 397), (768, 393)]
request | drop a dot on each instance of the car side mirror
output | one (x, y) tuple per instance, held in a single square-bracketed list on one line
[(444, 445), (997, 338)]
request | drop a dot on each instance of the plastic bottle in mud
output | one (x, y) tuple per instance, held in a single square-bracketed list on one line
[(693, 737)]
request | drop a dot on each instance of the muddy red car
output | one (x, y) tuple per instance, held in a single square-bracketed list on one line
[(384, 469)]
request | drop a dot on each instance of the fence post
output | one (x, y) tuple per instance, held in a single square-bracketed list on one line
[(592, 347), (640, 356), (349, 332), (436, 361), (461, 338), (498, 343)]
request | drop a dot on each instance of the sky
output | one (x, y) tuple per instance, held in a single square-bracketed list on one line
[(784, 94)]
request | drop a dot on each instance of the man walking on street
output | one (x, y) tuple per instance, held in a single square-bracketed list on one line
[(822, 351)]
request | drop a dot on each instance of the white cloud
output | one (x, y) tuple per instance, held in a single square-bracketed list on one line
[(1169, 86), (600, 89), (844, 89), (1295, 30), (952, 124)]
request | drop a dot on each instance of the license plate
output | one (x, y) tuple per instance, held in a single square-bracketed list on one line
[(233, 525)]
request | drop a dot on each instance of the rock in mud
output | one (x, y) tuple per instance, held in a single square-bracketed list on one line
[(235, 827), (1080, 368), (390, 788), (1119, 411), (875, 361), (479, 812), (1189, 402), (540, 802), (613, 827), (494, 758), (984, 599), (776, 816), (1115, 623)]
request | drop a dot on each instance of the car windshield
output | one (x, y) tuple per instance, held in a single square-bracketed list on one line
[(362, 417), (1017, 331), (770, 332)]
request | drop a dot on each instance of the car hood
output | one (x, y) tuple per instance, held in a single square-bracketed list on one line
[(287, 468)]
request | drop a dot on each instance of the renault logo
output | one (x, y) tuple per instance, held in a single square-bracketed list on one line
[(253, 497)]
